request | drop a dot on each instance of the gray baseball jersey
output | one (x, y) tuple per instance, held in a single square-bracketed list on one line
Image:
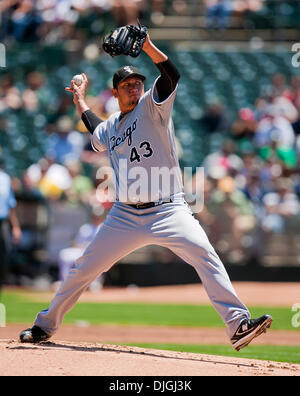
[(142, 150)]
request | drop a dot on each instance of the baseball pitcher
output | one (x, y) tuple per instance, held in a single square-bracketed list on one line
[(138, 139)]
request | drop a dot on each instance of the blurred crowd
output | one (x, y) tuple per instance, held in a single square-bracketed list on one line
[(219, 12), (253, 181), (57, 20)]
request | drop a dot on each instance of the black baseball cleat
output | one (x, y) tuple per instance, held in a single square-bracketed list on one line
[(34, 334), (249, 329)]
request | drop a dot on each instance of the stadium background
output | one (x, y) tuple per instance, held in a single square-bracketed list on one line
[(237, 113)]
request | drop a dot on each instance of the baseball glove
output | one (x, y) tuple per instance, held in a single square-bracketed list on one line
[(125, 40)]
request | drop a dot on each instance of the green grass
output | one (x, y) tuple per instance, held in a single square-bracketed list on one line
[(277, 353), (22, 310)]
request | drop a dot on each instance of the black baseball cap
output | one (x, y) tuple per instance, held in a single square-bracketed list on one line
[(124, 72)]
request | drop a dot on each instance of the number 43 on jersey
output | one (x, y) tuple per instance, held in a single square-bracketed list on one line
[(144, 150)]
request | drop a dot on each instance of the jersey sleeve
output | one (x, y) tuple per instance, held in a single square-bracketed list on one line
[(98, 140), (160, 109)]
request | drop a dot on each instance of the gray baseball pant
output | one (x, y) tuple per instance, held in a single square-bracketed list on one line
[(126, 229)]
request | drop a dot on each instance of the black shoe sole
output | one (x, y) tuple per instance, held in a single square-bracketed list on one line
[(33, 341), (29, 338), (245, 341)]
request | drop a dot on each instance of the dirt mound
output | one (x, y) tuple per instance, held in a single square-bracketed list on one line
[(75, 357), (62, 358)]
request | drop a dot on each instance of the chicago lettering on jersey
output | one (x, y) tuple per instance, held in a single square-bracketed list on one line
[(116, 141)]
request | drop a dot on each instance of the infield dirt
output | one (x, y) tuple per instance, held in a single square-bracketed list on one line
[(90, 350)]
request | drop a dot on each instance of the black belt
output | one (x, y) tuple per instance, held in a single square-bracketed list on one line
[(146, 205)]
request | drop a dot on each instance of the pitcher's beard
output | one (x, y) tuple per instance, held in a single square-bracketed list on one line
[(133, 103)]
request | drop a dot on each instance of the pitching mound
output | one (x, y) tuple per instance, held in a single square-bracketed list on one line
[(62, 358)]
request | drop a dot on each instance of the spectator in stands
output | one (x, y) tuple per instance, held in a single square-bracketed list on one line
[(8, 215), (242, 9), (158, 9), (82, 239), (107, 103), (215, 119), (66, 144), (290, 102), (296, 181), (4, 18), (34, 173), (224, 162), (81, 187), (274, 126), (278, 85), (127, 11), (217, 13), (32, 95), (234, 217), (179, 6), (251, 161), (10, 95), (279, 205), (206, 216), (245, 125), (23, 19), (55, 180), (255, 190), (295, 92), (261, 105), (286, 107), (91, 158)]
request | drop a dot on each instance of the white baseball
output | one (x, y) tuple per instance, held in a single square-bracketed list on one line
[(78, 79)]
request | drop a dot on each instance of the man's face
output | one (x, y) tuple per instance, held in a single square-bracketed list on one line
[(128, 93)]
